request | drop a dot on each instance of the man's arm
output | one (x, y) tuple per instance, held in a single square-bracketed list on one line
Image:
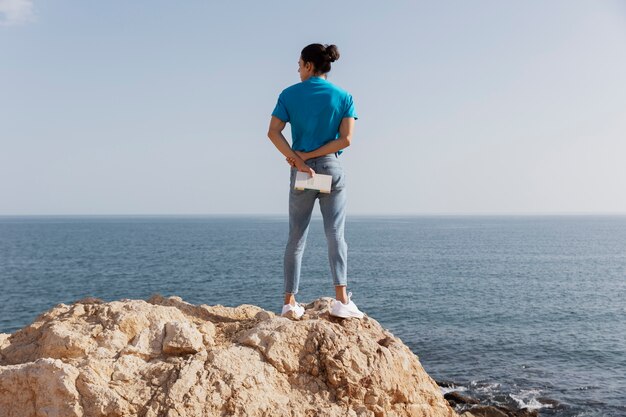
[(275, 133), (343, 141)]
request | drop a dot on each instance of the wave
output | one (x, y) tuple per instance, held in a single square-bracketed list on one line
[(529, 399)]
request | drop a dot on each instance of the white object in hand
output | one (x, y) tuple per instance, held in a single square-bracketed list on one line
[(319, 182)]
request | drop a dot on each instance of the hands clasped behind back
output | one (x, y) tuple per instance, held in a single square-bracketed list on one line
[(300, 165)]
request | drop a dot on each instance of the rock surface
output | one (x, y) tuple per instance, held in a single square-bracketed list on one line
[(166, 357)]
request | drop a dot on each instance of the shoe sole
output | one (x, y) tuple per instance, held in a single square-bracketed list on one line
[(347, 316)]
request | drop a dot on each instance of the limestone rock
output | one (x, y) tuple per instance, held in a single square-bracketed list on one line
[(181, 338), (166, 357), (44, 384)]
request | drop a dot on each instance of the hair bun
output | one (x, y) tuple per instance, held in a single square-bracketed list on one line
[(332, 52), (320, 55)]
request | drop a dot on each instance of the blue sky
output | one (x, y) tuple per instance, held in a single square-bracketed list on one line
[(162, 107)]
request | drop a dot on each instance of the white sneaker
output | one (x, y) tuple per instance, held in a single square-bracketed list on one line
[(293, 312), (339, 309)]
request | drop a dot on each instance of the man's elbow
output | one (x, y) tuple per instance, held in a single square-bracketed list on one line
[(347, 140)]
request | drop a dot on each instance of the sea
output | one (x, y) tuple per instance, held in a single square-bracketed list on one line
[(523, 311)]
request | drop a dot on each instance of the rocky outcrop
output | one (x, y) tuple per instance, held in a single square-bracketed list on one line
[(166, 357)]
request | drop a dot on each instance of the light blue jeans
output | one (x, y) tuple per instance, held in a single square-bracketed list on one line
[(333, 208)]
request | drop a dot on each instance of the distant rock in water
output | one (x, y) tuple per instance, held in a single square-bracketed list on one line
[(166, 357)]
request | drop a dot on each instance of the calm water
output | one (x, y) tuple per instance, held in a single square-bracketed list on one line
[(517, 310)]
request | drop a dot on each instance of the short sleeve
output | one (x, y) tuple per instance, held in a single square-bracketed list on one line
[(350, 111), (280, 110)]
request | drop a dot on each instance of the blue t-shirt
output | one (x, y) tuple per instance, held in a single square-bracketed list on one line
[(314, 108)]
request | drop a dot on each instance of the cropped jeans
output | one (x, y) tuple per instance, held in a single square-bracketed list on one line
[(333, 208)]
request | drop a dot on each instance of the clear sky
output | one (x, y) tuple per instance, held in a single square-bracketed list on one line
[(155, 107)]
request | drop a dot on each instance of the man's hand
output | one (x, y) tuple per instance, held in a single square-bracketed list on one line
[(291, 161)]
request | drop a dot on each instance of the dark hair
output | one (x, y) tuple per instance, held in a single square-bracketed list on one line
[(320, 55)]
